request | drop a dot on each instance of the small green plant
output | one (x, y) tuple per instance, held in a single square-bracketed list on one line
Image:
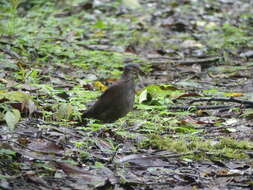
[(229, 37), (234, 36), (9, 17)]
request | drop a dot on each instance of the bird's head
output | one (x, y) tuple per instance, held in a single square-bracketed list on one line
[(131, 70)]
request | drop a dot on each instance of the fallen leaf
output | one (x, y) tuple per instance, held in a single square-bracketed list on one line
[(131, 4), (12, 118)]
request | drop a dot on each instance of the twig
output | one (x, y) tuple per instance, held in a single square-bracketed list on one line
[(179, 155), (186, 61), (236, 100), (198, 61), (198, 107), (208, 129), (144, 156), (10, 53)]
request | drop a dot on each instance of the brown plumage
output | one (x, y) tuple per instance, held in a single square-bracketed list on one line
[(118, 99)]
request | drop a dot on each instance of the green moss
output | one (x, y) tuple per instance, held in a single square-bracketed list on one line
[(167, 143), (225, 148), (230, 143)]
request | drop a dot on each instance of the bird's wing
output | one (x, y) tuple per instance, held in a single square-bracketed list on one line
[(107, 99)]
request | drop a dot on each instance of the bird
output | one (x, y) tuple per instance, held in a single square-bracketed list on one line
[(118, 100)]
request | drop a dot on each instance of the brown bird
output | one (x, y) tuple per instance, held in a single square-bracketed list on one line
[(118, 99)]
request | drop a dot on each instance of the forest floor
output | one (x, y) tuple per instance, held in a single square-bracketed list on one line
[(191, 127)]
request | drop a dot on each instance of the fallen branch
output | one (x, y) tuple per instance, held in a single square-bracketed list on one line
[(185, 61), (198, 107), (236, 100)]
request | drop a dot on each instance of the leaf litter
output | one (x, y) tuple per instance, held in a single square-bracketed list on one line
[(51, 69)]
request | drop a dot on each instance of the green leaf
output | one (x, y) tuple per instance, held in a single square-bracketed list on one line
[(15, 96), (131, 4), (21, 97), (12, 118), (100, 24), (7, 152), (143, 96)]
